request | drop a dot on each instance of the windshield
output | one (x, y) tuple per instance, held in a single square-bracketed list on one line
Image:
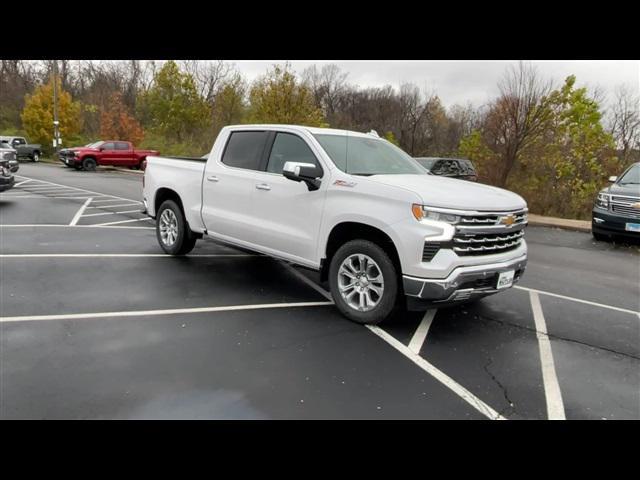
[(367, 156), (94, 144), (632, 177)]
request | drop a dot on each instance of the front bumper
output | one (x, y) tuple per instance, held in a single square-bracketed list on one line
[(6, 183), (67, 159), (605, 222), (463, 283)]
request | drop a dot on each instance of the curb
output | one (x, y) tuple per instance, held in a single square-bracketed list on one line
[(564, 223)]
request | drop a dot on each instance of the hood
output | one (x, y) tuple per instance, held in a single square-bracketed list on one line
[(452, 193), (617, 189)]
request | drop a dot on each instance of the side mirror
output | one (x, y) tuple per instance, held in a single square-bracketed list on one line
[(613, 179), (303, 172)]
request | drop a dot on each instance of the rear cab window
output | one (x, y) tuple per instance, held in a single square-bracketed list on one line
[(244, 149)]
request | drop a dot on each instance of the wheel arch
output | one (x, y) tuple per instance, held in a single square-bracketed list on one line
[(348, 230)]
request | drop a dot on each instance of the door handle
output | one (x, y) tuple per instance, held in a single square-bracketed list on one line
[(263, 186), (213, 178)]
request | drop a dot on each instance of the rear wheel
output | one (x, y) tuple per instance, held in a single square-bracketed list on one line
[(173, 233), (363, 281), (89, 164), (36, 156)]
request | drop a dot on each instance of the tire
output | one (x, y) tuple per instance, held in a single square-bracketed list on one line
[(89, 164), (601, 237), (167, 215), (385, 304), (35, 157)]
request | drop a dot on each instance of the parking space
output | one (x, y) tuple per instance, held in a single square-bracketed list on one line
[(95, 322)]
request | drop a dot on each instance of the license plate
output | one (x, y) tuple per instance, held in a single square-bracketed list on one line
[(632, 227), (505, 279)]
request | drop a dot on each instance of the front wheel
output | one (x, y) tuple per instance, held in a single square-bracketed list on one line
[(363, 281), (172, 230), (89, 164)]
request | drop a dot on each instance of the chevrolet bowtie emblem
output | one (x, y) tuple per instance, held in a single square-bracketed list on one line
[(508, 220), (636, 205)]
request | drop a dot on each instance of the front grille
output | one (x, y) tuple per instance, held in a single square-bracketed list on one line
[(624, 199), (9, 156), (492, 219), (486, 243), (625, 210), (429, 251)]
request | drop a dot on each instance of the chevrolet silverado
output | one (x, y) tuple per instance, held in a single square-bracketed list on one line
[(377, 226)]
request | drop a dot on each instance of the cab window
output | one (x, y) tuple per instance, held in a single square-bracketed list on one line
[(289, 148)]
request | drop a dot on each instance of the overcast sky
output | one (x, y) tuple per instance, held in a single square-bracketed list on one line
[(465, 81)]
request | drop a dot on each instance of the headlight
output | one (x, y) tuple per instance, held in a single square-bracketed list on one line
[(602, 201), (422, 212)]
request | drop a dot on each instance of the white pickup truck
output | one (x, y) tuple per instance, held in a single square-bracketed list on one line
[(383, 231)]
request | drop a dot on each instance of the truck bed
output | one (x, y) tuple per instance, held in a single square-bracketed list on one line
[(184, 176)]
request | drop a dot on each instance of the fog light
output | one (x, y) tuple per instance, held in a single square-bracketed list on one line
[(598, 220)]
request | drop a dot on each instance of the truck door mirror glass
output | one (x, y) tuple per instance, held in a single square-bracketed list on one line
[(303, 172)]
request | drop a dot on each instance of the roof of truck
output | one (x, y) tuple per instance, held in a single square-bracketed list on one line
[(312, 130)]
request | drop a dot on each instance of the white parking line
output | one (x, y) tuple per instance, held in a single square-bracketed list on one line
[(110, 213), (80, 189), (312, 284), (22, 183), (176, 311), (120, 255), (578, 300), (105, 200), (555, 406), (442, 377), (415, 345), (122, 221), (116, 206), (80, 212), (52, 225)]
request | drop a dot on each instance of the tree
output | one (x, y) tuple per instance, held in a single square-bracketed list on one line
[(625, 123), (228, 103), (328, 85), (278, 97), (172, 107), (37, 115), (517, 118), (575, 150), (118, 124)]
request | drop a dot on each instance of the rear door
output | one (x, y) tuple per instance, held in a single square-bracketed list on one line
[(123, 155), (285, 214), (228, 182)]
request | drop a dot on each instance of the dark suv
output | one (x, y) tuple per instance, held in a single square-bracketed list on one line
[(617, 208), (449, 167)]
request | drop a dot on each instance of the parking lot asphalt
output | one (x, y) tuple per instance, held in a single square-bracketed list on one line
[(95, 322)]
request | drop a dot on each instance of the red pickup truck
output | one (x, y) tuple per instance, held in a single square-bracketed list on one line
[(110, 152)]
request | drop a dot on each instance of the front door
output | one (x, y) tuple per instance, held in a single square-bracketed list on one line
[(286, 215), (107, 154)]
